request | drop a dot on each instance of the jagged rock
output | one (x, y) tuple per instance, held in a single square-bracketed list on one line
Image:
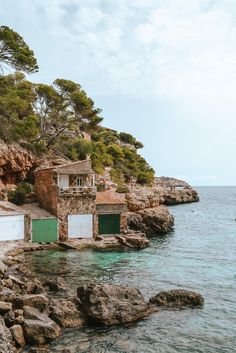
[(15, 163), (6, 341), (5, 307), (133, 241), (177, 298), (38, 301), (108, 304), (65, 313), (18, 335), (38, 327), (56, 284), (152, 221)]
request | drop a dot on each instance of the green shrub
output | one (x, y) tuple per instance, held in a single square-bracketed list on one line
[(19, 195), (122, 189)]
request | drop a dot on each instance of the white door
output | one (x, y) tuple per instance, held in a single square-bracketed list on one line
[(12, 227), (63, 181), (80, 226)]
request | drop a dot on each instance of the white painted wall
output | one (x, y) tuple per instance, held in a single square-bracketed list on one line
[(80, 226), (12, 227), (63, 181)]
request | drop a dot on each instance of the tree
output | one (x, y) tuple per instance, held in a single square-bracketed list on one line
[(14, 52), (64, 110), (18, 121)]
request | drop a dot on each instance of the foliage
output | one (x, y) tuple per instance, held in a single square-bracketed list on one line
[(19, 195), (60, 116), (15, 52), (122, 189)]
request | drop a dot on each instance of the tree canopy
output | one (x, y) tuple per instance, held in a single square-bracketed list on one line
[(61, 116), (14, 52)]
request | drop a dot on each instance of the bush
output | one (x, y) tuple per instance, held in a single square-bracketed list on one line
[(145, 178), (122, 189), (19, 195)]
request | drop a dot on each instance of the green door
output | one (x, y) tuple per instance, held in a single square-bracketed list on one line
[(44, 230), (109, 224)]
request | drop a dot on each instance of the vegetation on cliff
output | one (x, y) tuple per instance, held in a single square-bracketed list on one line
[(61, 117)]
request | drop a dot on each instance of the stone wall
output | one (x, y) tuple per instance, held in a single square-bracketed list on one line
[(46, 190)]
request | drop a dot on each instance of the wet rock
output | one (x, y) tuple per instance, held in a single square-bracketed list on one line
[(111, 304), (56, 284), (18, 335), (15, 252), (177, 298), (38, 301), (133, 241), (6, 341), (65, 313), (5, 307)]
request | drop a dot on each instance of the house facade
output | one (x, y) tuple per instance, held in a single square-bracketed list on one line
[(68, 192)]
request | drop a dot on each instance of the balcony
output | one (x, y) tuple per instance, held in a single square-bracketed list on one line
[(77, 190)]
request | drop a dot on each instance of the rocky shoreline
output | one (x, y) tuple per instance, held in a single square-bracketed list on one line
[(34, 312)]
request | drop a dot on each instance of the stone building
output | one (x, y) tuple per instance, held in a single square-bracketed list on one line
[(68, 192), (111, 214)]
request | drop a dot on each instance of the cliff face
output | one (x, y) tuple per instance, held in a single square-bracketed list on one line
[(15, 164)]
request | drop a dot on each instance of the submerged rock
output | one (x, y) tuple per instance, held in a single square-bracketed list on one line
[(109, 305), (177, 298)]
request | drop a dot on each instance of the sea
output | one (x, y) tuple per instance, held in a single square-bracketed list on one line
[(199, 255)]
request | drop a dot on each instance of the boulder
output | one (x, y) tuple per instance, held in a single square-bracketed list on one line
[(65, 313), (38, 301), (18, 335), (133, 241), (5, 307), (177, 298), (3, 267), (108, 304), (6, 341), (38, 327)]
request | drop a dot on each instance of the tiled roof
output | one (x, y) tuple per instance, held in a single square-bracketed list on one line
[(109, 198)]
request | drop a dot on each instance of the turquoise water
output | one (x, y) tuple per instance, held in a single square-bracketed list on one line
[(200, 255)]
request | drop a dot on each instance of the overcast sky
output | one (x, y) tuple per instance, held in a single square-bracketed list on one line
[(163, 70)]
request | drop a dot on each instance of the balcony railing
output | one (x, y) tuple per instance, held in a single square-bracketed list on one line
[(77, 190)]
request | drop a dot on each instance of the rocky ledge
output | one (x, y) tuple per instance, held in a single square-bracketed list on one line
[(35, 313)]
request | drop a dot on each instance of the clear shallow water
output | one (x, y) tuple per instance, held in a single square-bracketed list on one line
[(200, 254)]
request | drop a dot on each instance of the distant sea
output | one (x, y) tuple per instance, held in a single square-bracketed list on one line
[(200, 255)]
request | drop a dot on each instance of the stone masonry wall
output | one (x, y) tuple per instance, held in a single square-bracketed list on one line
[(46, 190)]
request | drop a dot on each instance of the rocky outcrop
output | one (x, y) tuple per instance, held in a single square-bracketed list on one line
[(106, 304), (152, 221), (15, 164), (134, 240), (111, 304), (177, 298)]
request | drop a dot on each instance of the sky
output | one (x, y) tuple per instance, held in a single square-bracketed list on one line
[(162, 70)]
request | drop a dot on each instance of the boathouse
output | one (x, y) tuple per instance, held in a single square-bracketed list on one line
[(68, 192), (14, 222), (111, 214)]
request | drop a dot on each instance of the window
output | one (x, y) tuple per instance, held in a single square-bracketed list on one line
[(80, 181)]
